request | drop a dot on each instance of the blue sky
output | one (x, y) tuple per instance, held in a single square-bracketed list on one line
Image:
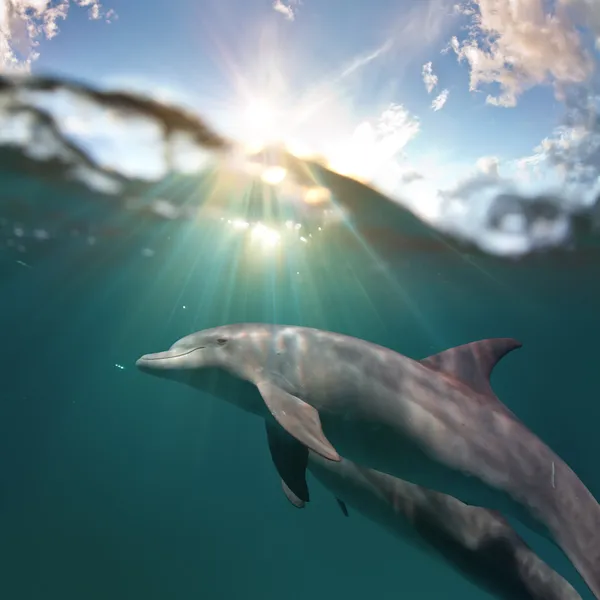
[(212, 48), (321, 75)]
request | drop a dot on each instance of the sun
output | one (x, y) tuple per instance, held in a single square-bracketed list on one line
[(259, 112), (261, 123), (365, 150)]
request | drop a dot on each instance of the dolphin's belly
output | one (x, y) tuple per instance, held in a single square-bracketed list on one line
[(384, 449), (399, 455)]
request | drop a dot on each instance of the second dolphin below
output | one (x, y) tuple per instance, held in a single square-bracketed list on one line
[(477, 542)]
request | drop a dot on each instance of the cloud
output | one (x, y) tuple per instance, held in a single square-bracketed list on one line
[(518, 44), (286, 10), (410, 176), (375, 149), (586, 12), (439, 102), (429, 79), (488, 165), (24, 22), (532, 204), (365, 59), (572, 151), (510, 207), (504, 217)]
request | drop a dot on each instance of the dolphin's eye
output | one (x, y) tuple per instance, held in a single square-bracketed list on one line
[(221, 341)]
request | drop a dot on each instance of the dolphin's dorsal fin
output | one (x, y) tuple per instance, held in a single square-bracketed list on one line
[(472, 363)]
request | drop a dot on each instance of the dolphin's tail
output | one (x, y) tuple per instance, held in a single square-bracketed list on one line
[(573, 517)]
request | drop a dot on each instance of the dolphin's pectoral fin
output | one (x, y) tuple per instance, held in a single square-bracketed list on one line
[(343, 506), (298, 418), (472, 363), (294, 500), (290, 458)]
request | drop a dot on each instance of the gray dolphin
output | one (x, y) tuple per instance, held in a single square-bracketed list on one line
[(476, 542), (435, 422)]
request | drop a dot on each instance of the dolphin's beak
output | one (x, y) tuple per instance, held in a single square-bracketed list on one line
[(168, 360)]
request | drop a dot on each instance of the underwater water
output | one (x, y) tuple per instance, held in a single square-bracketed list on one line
[(117, 485)]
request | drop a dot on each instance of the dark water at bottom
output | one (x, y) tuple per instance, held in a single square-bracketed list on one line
[(116, 485)]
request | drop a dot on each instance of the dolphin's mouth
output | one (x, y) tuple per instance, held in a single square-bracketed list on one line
[(158, 359)]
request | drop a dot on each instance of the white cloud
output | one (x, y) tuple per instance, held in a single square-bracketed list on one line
[(24, 22), (572, 152), (286, 10), (439, 102), (530, 206), (504, 207), (374, 150), (364, 59), (410, 175), (519, 44), (488, 165), (585, 12), (503, 216), (429, 79)]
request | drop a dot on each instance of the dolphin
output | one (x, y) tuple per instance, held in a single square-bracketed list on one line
[(476, 542), (434, 422)]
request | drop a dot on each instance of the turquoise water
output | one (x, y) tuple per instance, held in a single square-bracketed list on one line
[(117, 485)]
